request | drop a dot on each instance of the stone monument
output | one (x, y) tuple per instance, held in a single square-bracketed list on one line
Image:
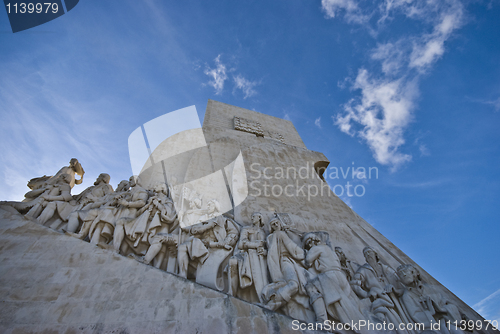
[(159, 254)]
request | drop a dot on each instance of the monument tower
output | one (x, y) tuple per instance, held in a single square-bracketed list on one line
[(260, 245)]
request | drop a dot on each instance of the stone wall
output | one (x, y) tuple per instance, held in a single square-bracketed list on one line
[(53, 283)]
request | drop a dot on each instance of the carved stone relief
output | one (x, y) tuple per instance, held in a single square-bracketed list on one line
[(249, 126), (255, 128), (298, 273)]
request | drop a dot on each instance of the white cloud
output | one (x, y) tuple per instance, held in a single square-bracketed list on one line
[(494, 103), (245, 85), (383, 112), (430, 47), (352, 11), (43, 129), (424, 151), (384, 109), (217, 74), (317, 122), (391, 55)]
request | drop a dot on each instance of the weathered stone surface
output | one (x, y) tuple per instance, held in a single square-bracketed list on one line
[(53, 283)]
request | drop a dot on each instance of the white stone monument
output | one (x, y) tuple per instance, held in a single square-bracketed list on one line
[(236, 231)]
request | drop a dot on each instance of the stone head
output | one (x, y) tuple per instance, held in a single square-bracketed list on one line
[(311, 240), (213, 206), (370, 255), (408, 274), (275, 225), (257, 219), (104, 178), (160, 187), (195, 203), (133, 181), (123, 185)]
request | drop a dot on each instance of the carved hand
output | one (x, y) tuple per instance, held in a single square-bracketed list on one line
[(261, 251), (388, 288)]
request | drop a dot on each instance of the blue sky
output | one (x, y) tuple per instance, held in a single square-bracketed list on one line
[(409, 87)]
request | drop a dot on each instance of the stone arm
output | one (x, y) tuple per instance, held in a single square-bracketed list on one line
[(79, 171), (139, 203), (245, 242), (394, 284), (64, 196), (262, 237), (90, 198), (199, 229), (37, 192), (357, 286), (312, 255), (79, 181), (295, 250), (232, 234), (167, 212), (107, 200), (441, 303), (106, 190)]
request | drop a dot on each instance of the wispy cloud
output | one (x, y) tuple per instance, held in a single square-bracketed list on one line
[(488, 307), (246, 86), (217, 74), (422, 185), (49, 131), (495, 103), (384, 109), (430, 47), (349, 7), (424, 151), (317, 122)]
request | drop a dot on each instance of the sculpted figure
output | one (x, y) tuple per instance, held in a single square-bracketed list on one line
[(90, 198), (134, 199), (287, 275), (100, 219), (248, 267), (329, 291), (153, 226), (375, 280), (192, 214), (58, 199), (38, 186), (422, 304), (73, 168), (31, 206), (216, 231), (44, 185)]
